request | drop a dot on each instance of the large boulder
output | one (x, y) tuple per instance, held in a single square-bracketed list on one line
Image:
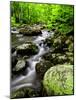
[(36, 32), (27, 48), (30, 30), (25, 31), (58, 80)]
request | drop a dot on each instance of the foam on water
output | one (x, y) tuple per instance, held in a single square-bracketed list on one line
[(29, 79)]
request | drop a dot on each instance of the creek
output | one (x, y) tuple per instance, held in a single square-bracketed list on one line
[(30, 79)]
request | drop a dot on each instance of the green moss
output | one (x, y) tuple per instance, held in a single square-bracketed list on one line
[(59, 80)]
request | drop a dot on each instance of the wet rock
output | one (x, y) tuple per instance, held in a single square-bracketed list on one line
[(25, 93), (19, 69), (14, 32), (42, 67), (19, 66), (36, 32), (24, 31), (58, 80), (13, 28), (49, 41), (61, 43), (13, 59), (71, 47), (59, 58), (13, 48), (30, 30), (70, 57), (27, 48)]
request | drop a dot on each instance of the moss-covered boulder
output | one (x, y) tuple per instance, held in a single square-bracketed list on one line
[(59, 58), (58, 80), (25, 31), (60, 42), (27, 48), (61, 46), (36, 32), (31, 30)]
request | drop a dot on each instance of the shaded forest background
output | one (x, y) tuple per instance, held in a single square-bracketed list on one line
[(51, 15)]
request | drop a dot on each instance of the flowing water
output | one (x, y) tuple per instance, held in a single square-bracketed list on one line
[(30, 79)]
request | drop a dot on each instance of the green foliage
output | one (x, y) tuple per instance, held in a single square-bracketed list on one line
[(52, 15), (13, 21)]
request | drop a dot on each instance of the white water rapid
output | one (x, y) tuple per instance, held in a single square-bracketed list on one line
[(30, 79)]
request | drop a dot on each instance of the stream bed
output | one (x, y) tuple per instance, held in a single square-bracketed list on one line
[(30, 79)]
